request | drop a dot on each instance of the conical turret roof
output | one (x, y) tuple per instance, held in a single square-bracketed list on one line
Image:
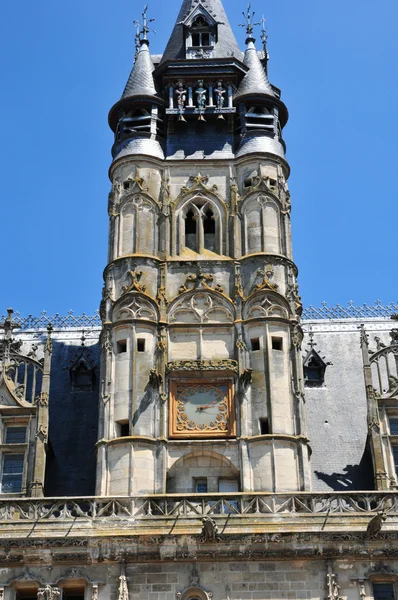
[(255, 81), (226, 43), (140, 82)]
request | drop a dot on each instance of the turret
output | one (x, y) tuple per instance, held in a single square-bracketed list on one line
[(135, 119)]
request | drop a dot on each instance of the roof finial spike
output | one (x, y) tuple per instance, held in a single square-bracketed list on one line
[(137, 37), (145, 22), (249, 23), (264, 38)]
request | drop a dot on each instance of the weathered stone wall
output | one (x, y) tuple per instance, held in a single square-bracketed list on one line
[(244, 580)]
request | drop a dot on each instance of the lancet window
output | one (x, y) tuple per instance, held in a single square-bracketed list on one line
[(200, 227)]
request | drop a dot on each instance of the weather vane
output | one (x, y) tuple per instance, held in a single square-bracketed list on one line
[(249, 23), (264, 38), (137, 36), (142, 33), (145, 29)]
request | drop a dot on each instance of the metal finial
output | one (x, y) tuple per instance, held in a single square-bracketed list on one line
[(145, 22), (311, 343), (264, 37), (83, 338), (137, 37), (249, 21)]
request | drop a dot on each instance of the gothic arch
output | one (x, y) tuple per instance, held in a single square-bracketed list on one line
[(135, 306), (200, 223), (261, 224), (138, 225), (218, 460), (265, 304), (201, 306)]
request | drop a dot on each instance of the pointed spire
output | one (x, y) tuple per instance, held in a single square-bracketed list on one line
[(226, 43), (140, 82), (255, 81)]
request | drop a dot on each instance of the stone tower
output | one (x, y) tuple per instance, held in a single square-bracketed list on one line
[(202, 383)]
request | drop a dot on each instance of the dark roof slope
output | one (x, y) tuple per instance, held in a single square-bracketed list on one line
[(255, 81), (140, 82)]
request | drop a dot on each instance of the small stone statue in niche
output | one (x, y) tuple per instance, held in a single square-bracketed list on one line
[(220, 91), (201, 95), (181, 96)]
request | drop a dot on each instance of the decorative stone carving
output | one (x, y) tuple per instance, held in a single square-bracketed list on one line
[(201, 307), (209, 531), (246, 377), (202, 365), (94, 594), (240, 344), (333, 588), (134, 285), (266, 275), (293, 295), (42, 399), (197, 182), (263, 306), (136, 308), (155, 378), (48, 592), (375, 525), (123, 591)]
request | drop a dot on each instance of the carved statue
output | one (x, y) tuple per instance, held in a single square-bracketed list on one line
[(220, 91), (201, 95), (375, 524), (209, 530), (181, 96), (48, 593)]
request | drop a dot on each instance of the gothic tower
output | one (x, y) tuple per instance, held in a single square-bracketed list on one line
[(202, 383)]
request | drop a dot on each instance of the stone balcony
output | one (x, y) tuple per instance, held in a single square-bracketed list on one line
[(182, 514)]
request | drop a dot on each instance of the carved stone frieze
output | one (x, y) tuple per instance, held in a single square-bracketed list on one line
[(202, 365)]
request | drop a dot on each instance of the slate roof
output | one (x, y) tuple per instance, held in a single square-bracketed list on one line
[(140, 82), (226, 42), (255, 81)]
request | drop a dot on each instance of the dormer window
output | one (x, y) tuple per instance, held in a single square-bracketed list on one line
[(200, 35)]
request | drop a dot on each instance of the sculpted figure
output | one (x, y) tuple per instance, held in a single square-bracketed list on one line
[(220, 92), (201, 95), (181, 96)]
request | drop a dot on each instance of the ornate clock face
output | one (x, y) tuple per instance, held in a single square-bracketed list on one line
[(201, 409)]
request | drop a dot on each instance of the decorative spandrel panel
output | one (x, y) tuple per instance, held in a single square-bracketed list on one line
[(200, 409)]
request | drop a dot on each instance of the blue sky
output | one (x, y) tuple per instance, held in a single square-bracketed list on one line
[(63, 65)]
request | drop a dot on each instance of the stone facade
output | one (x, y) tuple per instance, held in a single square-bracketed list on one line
[(203, 442)]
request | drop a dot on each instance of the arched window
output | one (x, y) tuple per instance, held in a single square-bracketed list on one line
[(200, 227)]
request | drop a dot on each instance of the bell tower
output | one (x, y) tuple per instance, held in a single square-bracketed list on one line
[(202, 377)]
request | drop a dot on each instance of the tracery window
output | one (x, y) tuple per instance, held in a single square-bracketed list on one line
[(200, 227)]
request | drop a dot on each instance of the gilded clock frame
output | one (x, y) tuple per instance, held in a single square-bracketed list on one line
[(175, 433)]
